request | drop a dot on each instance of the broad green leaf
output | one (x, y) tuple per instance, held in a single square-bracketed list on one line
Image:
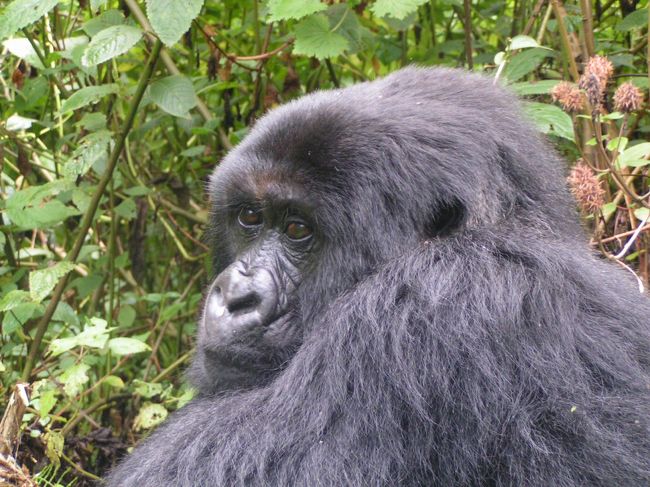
[(88, 95), (54, 440), (170, 19), (636, 20), (13, 299), (94, 335), (346, 23), (617, 143), (109, 43), (147, 389), (93, 148), (293, 9), (127, 346), (21, 13), (550, 119), (103, 21), (42, 281), (314, 38), (635, 156), (19, 315), (642, 213), (543, 87), (608, 209), (74, 378), (126, 316), (126, 209), (149, 416), (114, 381), (174, 94), (45, 402), (524, 63), (38, 214), (396, 8), (522, 42)]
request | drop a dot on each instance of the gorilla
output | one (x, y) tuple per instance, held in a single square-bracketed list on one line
[(404, 296)]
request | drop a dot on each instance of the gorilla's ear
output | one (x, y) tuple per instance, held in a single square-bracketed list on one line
[(448, 216)]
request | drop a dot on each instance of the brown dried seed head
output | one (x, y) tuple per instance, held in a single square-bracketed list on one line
[(628, 98), (568, 95), (586, 188), (592, 86), (602, 68)]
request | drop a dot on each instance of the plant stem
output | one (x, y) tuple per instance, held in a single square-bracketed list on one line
[(87, 219)]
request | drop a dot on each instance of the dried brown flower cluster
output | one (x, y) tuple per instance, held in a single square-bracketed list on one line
[(598, 70), (569, 96), (628, 98), (586, 188)]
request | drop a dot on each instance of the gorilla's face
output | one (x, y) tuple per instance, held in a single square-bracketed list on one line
[(269, 239)]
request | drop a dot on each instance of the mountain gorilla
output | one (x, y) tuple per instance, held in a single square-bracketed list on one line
[(404, 296)]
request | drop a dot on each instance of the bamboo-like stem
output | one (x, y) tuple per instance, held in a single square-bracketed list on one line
[(87, 218), (468, 33), (564, 35)]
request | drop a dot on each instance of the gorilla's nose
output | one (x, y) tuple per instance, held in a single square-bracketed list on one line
[(236, 286), (241, 298)]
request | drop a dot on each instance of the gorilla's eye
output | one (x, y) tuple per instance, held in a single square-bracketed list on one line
[(250, 217), (298, 231)]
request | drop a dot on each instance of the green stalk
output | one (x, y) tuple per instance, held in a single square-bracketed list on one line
[(87, 219)]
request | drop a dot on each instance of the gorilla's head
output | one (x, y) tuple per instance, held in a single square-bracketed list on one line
[(326, 189)]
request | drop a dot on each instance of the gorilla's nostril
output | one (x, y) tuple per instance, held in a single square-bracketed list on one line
[(244, 303)]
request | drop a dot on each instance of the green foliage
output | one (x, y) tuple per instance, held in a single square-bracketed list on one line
[(170, 19), (293, 9), (314, 37), (103, 211)]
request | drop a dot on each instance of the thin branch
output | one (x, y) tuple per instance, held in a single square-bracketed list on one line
[(87, 219)]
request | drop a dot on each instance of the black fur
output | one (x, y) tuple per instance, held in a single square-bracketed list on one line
[(456, 330)]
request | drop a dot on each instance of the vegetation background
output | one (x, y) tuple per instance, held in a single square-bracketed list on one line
[(114, 113)]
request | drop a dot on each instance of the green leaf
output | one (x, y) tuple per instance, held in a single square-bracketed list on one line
[(314, 38), (543, 87), (147, 389), (293, 9), (550, 119), (522, 42), (46, 401), (54, 441), (13, 299), (617, 143), (635, 156), (149, 416), (636, 20), (170, 19), (396, 8), (642, 214), (109, 43), (94, 335), (608, 209), (174, 94), (21, 13), (74, 378), (126, 316), (103, 21), (92, 149), (114, 381), (126, 209), (41, 282), (88, 95), (28, 209), (127, 346), (524, 63)]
